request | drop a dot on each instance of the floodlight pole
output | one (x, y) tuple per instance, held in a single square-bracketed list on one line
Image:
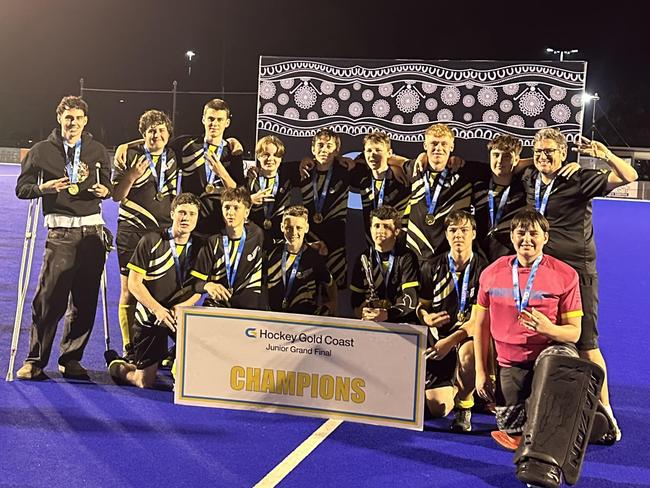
[(594, 99), (561, 52)]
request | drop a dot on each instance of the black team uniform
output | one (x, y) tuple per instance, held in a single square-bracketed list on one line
[(211, 267), (311, 273), (425, 236), (334, 213), (437, 286), (571, 235), (494, 238), (144, 209), (395, 193), (153, 258), (74, 255), (194, 179), (272, 211), (401, 290)]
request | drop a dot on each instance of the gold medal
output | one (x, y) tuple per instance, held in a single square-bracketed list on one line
[(318, 218), (429, 219), (160, 196), (210, 188), (267, 224), (73, 189), (285, 304), (461, 316)]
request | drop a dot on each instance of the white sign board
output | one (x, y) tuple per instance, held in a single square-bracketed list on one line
[(301, 364)]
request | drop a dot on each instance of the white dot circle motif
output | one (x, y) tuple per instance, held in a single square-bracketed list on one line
[(357, 86), (487, 96), (270, 109), (408, 100), (469, 86), (327, 87), (539, 124), (305, 97), (367, 95), (431, 104), (286, 84), (283, 98), (344, 94), (516, 121), (380, 108), (505, 106), (420, 118), (445, 115), (579, 116), (467, 117), (312, 116), (490, 116), (532, 103), (558, 93), (386, 89), (560, 113), (291, 113), (398, 119), (330, 106), (469, 100), (267, 90), (355, 109), (576, 100), (429, 88), (450, 95), (511, 89)]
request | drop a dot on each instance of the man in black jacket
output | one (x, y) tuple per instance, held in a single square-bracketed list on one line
[(71, 172)]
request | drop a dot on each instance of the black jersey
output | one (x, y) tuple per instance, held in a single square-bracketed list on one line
[(401, 288), (285, 180), (194, 178), (310, 273), (571, 234), (211, 267), (425, 234), (145, 207), (153, 258), (375, 193), (331, 230), (437, 286), (494, 240)]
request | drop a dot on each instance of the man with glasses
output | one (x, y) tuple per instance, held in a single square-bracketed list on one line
[(566, 203)]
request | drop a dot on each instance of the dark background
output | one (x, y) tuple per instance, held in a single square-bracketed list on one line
[(47, 46)]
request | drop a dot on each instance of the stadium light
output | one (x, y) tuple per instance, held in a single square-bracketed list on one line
[(561, 52), (189, 55)]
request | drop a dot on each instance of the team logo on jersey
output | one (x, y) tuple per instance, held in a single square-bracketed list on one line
[(82, 172), (252, 255)]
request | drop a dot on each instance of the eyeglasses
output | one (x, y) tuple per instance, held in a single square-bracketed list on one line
[(547, 152)]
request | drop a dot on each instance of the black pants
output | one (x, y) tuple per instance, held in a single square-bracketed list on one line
[(69, 279)]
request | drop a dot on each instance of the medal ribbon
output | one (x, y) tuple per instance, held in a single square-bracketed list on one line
[(181, 268), (319, 200), (462, 294), (389, 270), (494, 219), (268, 206), (209, 174), (432, 201), (231, 270), (72, 167), (380, 199), (152, 167), (292, 275), (541, 207), (521, 301)]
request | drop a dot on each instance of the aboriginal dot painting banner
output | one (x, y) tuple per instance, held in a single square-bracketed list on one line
[(477, 99)]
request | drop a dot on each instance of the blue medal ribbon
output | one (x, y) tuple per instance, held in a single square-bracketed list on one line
[(319, 200), (209, 174), (231, 270), (432, 200), (389, 270), (72, 167), (181, 268), (288, 284), (541, 206), (379, 201), (268, 206), (521, 301), (152, 167), (494, 219), (461, 294)]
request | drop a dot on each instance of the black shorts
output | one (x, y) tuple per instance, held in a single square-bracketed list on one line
[(441, 372), (589, 295), (150, 345), (126, 241), (512, 389)]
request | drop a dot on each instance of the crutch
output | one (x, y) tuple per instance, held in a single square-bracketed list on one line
[(23, 278)]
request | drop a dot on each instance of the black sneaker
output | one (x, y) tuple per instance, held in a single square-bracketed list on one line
[(462, 420)]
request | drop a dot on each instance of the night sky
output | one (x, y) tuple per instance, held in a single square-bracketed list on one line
[(47, 46)]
